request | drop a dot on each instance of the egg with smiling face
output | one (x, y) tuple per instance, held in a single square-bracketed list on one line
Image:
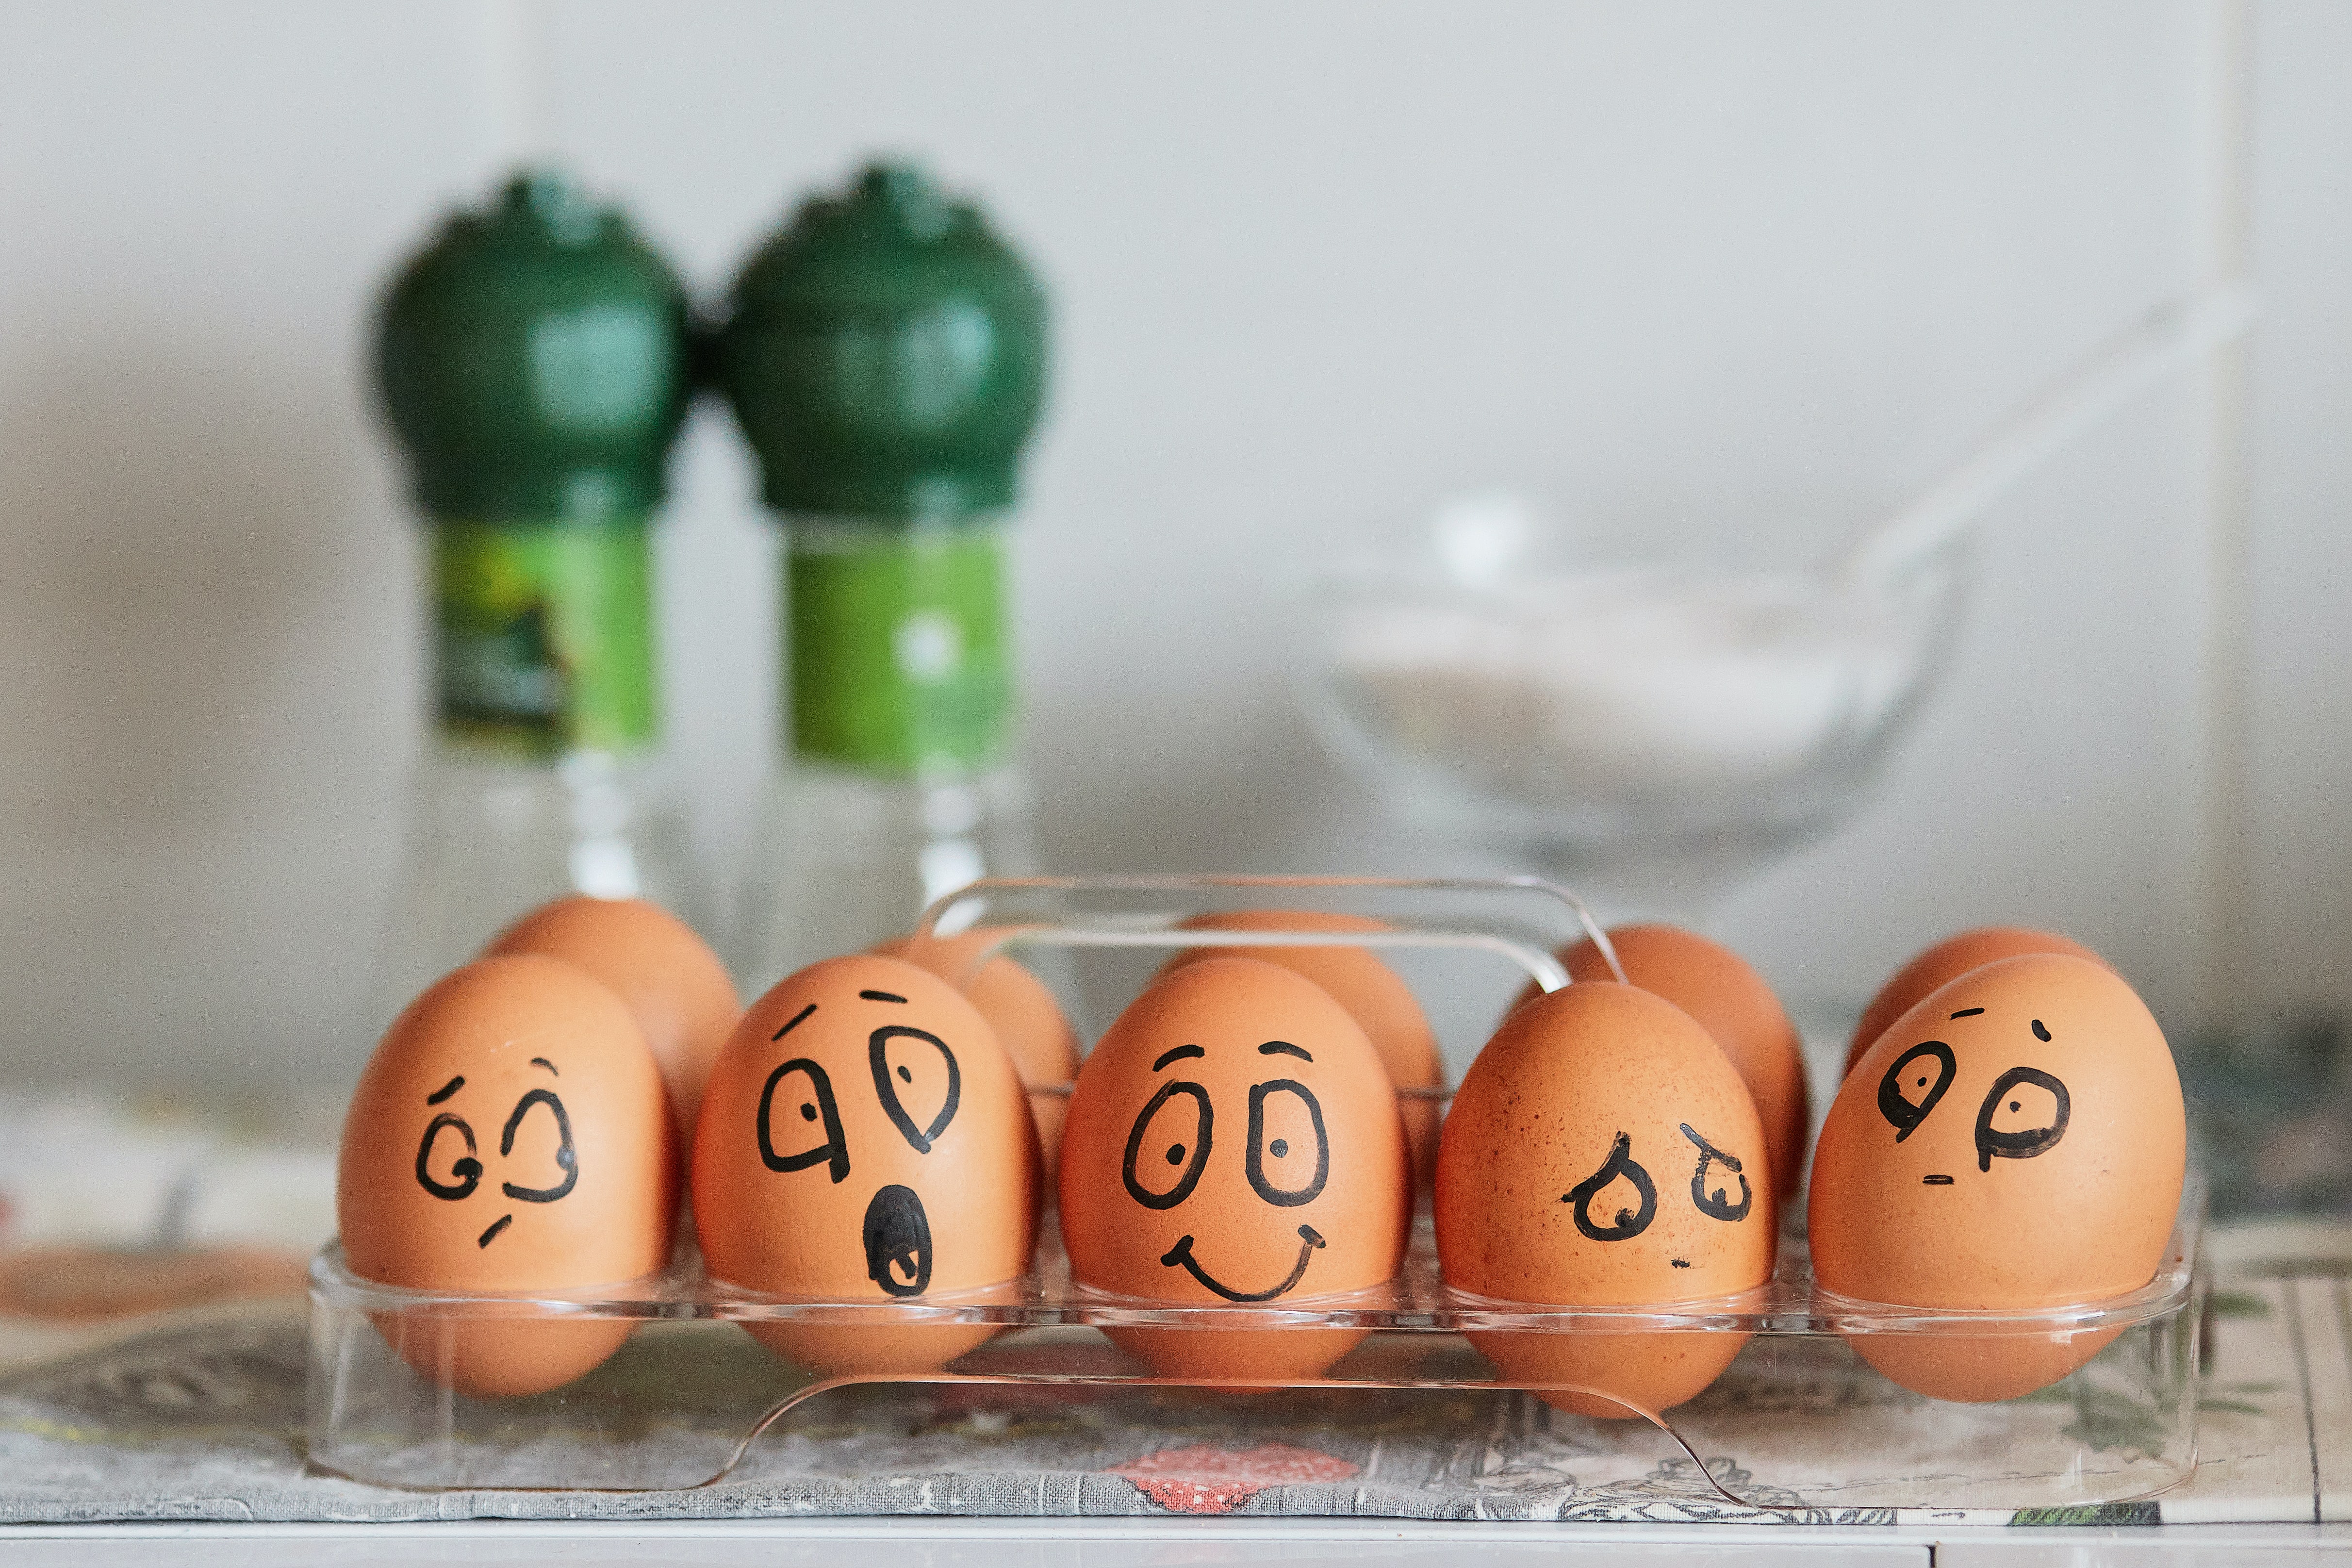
[(865, 1138), (1233, 1140), (508, 1134), (2015, 1139)]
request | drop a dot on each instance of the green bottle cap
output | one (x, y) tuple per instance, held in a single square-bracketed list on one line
[(533, 361), (886, 355)]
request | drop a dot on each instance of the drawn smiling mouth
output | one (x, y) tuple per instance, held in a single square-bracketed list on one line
[(1182, 1253)]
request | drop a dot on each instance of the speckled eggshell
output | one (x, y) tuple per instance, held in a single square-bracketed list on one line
[(1731, 1003), (864, 1138), (1941, 964), (2014, 1140), (657, 964), (508, 1134), (1373, 993), (1021, 1008), (1603, 1152), (1233, 1140)]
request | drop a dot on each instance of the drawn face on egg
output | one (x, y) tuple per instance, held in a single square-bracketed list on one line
[(1252, 1138), (1599, 1203), (536, 1163), (2021, 1113)]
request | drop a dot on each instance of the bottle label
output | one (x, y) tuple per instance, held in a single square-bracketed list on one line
[(544, 636), (900, 659)]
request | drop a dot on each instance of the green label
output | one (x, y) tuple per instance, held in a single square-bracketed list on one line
[(899, 653), (544, 636)]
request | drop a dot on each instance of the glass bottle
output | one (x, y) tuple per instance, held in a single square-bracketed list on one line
[(884, 355), (531, 360)]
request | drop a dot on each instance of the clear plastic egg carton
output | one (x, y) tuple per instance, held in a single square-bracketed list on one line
[(691, 1399)]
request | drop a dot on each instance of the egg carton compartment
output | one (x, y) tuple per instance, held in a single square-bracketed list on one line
[(707, 1383), (690, 1398)]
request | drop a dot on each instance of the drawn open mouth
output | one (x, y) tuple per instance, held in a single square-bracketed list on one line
[(897, 1236), (1182, 1253)]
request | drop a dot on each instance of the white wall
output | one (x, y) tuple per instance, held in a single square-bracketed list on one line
[(1313, 266)]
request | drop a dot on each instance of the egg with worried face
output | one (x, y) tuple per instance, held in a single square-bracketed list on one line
[(1235, 1139), (2016, 1139), (1603, 1152), (864, 1138), (508, 1134)]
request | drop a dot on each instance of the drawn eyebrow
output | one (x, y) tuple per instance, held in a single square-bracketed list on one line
[(1282, 1048), (1170, 1056), (446, 1090), (1967, 1012), (796, 1024), (880, 997), (543, 1062), (2039, 1032)]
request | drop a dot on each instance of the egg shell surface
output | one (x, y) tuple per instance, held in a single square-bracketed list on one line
[(508, 1134), (865, 1138), (1234, 1141), (1375, 995), (1731, 1003), (2015, 1139), (655, 962), (1022, 1009), (1944, 962), (1603, 1152)]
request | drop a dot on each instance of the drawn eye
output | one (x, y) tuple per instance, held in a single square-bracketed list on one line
[(1913, 1085), (2025, 1115), (546, 1147), (916, 1079), (798, 1121), (465, 1170), (1601, 1192), (1289, 1157), (1169, 1146)]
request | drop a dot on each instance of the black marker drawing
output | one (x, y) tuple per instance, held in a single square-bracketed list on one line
[(1204, 1120), (2033, 1140), (1935, 1180), (833, 1151), (467, 1168), (1178, 1053), (878, 1056), (1629, 1223), (1897, 1105), (796, 1024), (497, 1226), (566, 1158), (897, 1232), (1309, 1240), (882, 996), (1255, 1161), (1284, 1048), (1717, 1208), (2039, 1033), (446, 1090), (543, 1062), (1679, 1262), (1967, 1012)]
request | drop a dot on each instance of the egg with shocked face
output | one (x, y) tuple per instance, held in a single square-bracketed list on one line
[(2016, 1139), (865, 1138), (510, 1134), (1234, 1139), (1601, 1152)]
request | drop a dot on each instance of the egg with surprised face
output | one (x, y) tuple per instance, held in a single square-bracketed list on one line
[(509, 1133), (864, 1138), (2016, 1139), (1235, 1139), (1603, 1152)]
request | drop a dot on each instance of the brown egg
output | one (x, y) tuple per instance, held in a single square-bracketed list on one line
[(1382, 1003), (864, 1138), (1021, 1008), (1945, 962), (508, 1134), (1234, 1138), (1731, 1003), (2014, 1140), (655, 962), (1603, 1152)]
